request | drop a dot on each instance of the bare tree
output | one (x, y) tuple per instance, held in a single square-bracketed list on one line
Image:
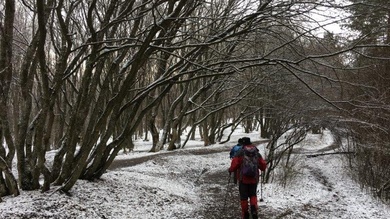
[(367, 98), (94, 74)]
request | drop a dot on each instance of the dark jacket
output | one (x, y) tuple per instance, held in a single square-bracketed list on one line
[(236, 164)]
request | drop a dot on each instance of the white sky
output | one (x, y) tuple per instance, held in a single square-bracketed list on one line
[(331, 18)]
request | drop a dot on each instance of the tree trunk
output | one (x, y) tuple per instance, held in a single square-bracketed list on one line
[(8, 185), (6, 74), (154, 132)]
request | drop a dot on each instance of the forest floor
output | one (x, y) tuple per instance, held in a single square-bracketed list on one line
[(323, 191), (194, 183), (220, 197)]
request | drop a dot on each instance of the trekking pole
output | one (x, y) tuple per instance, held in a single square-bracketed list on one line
[(261, 188), (227, 193)]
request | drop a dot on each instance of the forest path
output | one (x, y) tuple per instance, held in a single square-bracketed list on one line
[(219, 198), (120, 163), (219, 195)]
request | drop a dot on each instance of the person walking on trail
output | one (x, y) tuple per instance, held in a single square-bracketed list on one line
[(233, 152), (235, 148), (248, 161)]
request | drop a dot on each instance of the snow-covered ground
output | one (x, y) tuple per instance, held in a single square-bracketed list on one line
[(323, 188), (167, 187)]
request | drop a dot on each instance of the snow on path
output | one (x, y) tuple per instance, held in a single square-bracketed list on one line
[(322, 190)]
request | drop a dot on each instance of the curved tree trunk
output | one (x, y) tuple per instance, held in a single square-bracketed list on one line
[(8, 185)]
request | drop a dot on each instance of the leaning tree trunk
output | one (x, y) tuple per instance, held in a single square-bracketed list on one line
[(153, 130), (9, 184)]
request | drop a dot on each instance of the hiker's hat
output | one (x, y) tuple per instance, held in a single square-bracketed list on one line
[(246, 141)]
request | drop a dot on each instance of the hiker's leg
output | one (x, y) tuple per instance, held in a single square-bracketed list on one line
[(244, 209), (253, 200), (254, 207), (243, 188)]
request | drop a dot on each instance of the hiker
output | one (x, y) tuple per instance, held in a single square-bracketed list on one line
[(235, 148), (233, 152), (248, 161)]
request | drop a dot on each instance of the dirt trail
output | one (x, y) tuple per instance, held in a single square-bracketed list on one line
[(221, 199)]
